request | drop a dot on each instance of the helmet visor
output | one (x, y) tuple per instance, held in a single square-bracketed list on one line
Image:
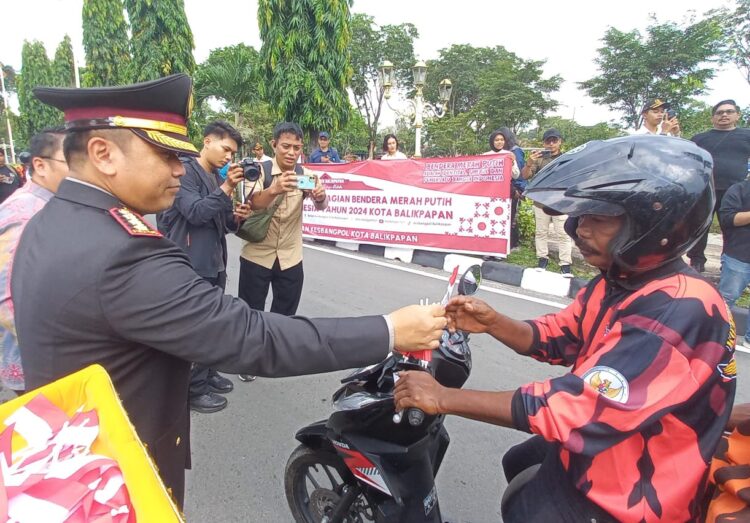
[(560, 203)]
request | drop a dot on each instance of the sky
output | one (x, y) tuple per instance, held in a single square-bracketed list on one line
[(564, 34)]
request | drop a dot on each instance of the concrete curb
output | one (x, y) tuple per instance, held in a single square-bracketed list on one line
[(498, 271)]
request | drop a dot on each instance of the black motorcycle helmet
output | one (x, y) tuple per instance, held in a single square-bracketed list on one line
[(662, 185)]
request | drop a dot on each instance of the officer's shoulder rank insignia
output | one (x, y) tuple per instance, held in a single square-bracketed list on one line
[(133, 222)]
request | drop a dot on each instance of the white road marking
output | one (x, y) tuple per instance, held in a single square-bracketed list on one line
[(396, 266)]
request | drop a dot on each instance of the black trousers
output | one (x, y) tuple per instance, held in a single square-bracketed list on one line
[(549, 495), (286, 286), (696, 252), (199, 374)]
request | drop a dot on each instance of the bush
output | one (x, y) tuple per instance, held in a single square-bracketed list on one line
[(526, 221)]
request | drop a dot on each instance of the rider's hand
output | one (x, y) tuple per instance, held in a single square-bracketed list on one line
[(469, 314), (418, 389), (418, 327)]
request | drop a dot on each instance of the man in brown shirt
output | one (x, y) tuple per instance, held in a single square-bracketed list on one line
[(277, 260)]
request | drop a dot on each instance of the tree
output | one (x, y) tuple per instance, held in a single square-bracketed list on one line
[(162, 42), (453, 136), (463, 65), (305, 57), (493, 85), (105, 41), (9, 79), (230, 74), (354, 137), (735, 25), (668, 63), (513, 93), (63, 66), (375, 45), (36, 70)]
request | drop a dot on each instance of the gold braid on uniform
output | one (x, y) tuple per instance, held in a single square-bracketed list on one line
[(169, 141)]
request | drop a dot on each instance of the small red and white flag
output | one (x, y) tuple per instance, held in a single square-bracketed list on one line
[(55, 477)]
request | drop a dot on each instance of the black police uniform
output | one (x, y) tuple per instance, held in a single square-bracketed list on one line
[(99, 285)]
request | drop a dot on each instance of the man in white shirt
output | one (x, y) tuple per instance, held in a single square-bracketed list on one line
[(657, 119)]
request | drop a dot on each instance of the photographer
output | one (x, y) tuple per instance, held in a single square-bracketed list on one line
[(552, 140), (658, 118), (199, 219), (277, 260)]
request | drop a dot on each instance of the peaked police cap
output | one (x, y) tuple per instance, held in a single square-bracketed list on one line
[(157, 110)]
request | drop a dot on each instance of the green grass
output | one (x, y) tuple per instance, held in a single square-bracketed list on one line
[(715, 227), (744, 300), (525, 256)]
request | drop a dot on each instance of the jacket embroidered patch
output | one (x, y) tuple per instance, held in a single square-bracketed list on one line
[(133, 222)]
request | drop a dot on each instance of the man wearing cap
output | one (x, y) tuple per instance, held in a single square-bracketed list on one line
[(202, 215), (324, 153), (552, 140), (655, 119), (47, 168), (105, 287), (729, 146)]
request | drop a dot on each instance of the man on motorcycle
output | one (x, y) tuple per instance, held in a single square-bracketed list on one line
[(628, 434)]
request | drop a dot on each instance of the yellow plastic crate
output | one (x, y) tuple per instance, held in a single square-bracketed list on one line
[(91, 388)]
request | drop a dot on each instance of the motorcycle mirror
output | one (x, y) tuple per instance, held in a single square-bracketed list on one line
[(469, 282)]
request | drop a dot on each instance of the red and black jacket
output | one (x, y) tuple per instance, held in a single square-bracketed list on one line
[(651, 388)]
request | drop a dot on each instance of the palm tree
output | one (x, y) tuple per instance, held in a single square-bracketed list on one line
[(231, 75)]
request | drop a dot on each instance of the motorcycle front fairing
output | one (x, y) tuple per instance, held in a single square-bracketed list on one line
[(393, 471)]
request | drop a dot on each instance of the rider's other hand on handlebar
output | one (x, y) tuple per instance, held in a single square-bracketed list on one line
[(418, 327), (469, 314), (418, 389)]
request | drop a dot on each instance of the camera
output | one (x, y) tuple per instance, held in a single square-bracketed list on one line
[(546, 153), (250, 169), (306, 182)]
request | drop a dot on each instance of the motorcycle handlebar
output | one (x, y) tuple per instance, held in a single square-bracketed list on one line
[(415, 416)]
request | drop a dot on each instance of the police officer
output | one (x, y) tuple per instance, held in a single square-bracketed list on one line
[(99, 285)]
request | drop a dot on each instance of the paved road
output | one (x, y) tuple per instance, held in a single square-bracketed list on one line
[(239, 454)]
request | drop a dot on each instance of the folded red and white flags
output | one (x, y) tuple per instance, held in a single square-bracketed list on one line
[(56, 477)]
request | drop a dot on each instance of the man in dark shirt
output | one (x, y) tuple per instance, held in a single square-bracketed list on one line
[(10, 180), (198, 221), (730, 148), (324, 153), (734, 216)]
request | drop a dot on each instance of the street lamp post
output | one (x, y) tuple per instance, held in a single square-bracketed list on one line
[(417, 105)]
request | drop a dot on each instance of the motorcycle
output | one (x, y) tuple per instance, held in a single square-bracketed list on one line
[(367, 462)]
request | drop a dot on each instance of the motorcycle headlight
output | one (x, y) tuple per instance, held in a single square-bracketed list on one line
[(358, 400)]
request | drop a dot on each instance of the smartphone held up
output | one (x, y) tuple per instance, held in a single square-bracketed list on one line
[(306, 182)]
